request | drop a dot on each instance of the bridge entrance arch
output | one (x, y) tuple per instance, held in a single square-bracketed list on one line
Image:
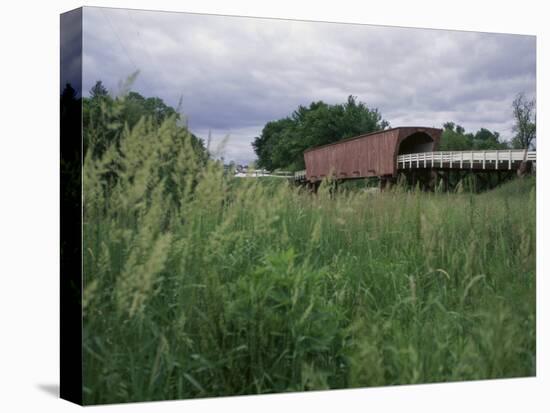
[(415, 143)]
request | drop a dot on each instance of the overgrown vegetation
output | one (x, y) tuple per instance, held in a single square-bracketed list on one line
[(196, 284), (104, 117)]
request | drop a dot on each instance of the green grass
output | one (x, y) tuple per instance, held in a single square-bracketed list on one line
[(197, 285)]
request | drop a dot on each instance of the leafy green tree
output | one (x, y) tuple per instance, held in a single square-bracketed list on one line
[(105, 118), (98, 90), (525, 122), (449, 126), (98, 116), (485, 140), (283, 142), (70, 131), (454, 138), (138, 106), (269, 144)]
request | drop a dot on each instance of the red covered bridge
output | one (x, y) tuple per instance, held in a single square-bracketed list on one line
[(404, 149), (373, 154)]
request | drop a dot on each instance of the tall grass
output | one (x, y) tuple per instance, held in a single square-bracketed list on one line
[(198, 285)]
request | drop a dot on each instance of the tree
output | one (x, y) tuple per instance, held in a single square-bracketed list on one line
[(454, 138), (449, 126), (98, 90), (485, 139), (283, 142), (70, 130), (525, 122), (105, 118), (269, 145)]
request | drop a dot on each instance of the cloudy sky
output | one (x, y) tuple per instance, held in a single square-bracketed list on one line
[(234, 74)]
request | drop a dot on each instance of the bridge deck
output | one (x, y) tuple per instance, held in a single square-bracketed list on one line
[(499, 160), (479, 160)]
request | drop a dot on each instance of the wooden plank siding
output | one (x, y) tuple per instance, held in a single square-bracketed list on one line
[(373, 154)]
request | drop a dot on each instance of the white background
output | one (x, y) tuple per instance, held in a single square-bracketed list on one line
[(29, 206)]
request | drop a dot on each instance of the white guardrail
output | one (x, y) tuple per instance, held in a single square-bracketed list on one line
[(300, 175), (497, 159)]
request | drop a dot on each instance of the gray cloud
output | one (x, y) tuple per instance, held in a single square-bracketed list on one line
[(235, 74)]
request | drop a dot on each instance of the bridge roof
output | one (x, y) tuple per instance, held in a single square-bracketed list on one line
[(380, 132)]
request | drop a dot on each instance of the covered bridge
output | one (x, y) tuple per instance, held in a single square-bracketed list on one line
[(372, 154)]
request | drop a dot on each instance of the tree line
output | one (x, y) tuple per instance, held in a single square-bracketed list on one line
[(282, 142), (105, 117)]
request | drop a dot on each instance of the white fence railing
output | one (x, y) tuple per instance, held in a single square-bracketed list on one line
[(256, 173), (300, 175), (496, 159)]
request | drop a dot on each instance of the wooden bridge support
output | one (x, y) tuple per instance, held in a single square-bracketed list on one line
[(386, 183), (313, 187), (524, 168), (449, 180), (428, 179)]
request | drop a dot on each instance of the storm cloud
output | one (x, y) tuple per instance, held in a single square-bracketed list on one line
[(234, 74)]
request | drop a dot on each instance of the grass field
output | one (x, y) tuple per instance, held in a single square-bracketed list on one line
[(201, 285)]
